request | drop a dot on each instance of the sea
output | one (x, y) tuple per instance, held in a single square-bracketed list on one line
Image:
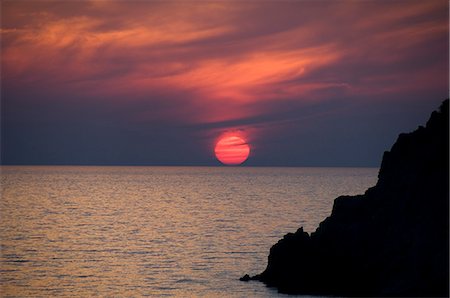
[(76, 231)]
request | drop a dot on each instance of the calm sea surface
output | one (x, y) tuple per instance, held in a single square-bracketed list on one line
[(155, 231)]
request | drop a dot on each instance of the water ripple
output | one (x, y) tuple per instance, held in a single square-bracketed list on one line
[(155, 231)]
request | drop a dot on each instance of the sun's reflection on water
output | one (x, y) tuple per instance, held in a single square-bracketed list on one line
[(135, 231)]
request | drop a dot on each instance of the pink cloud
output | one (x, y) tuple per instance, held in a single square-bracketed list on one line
[(222, 60)]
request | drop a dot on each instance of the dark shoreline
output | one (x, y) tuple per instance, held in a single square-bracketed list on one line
[(391, 241)]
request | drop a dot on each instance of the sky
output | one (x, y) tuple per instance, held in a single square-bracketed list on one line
[(305, 83)]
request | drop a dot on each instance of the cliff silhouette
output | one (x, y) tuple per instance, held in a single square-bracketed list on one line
[(391, 241)]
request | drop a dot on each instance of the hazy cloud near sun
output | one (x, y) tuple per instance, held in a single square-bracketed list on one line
[(214, 63)]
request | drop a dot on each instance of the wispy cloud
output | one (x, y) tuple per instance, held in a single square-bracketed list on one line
[(221, 62)]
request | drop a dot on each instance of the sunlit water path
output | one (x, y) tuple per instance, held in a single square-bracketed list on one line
[(156, 231)]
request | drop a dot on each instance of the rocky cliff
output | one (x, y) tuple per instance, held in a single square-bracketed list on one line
[(391, 241)]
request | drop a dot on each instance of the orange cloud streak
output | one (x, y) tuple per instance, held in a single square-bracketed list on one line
[(222, 60)]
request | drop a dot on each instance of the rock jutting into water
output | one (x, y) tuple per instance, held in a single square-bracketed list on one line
[(391, 241)]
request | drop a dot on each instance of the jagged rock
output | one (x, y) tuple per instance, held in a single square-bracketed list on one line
[(391, 241), (245, 278)]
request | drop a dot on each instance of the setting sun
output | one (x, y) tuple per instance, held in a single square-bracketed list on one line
[(232, 150)]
